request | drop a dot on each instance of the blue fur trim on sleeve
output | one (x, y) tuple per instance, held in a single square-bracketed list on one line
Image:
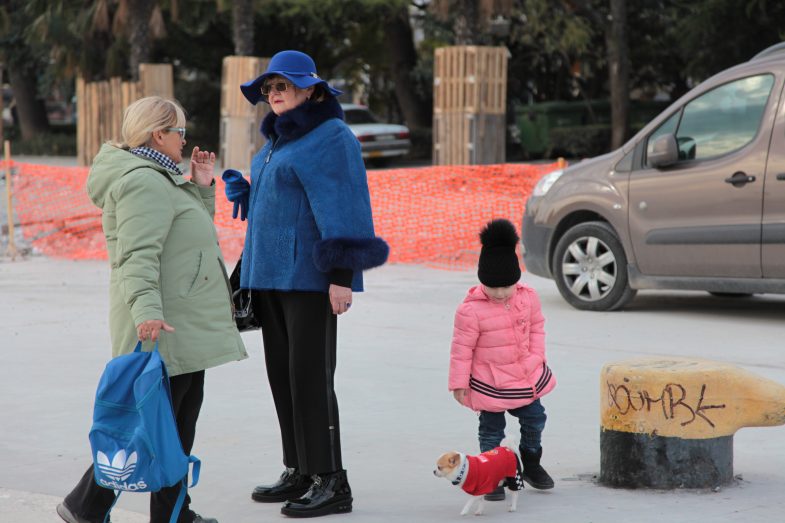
[(357, 254)]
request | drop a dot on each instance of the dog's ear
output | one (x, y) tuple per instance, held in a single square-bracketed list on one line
[(455, 458)]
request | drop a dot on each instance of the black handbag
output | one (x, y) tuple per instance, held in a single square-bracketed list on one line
[(244, 315)]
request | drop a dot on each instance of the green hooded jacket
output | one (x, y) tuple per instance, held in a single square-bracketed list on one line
[(166, 262)]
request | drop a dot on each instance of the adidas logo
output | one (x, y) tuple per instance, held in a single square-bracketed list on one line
[(120, 468)]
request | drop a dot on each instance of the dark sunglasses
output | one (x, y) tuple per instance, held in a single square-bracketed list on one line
[(278, 86)]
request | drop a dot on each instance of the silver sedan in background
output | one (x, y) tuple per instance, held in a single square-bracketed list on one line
[(379, 141)]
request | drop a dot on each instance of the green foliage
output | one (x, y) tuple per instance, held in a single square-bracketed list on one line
[(716, 34), (579, 142), (200, 96), (545, 40), (61, 141), (14, 49), (557, 47)]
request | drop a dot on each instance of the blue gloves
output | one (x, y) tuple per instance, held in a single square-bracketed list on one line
[(237, 190)]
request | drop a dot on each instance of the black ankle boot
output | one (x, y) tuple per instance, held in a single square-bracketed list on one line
[(496, 494), (533, 473), (329, 494), (291, 485)]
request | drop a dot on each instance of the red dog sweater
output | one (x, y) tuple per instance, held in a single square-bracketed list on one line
[(486, 470)]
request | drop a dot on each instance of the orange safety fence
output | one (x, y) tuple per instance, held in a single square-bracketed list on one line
[(428, 215)]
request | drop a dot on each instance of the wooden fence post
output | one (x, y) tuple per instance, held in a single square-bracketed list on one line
[(240, 121), (11, 249), (100, 106), (469, 110)]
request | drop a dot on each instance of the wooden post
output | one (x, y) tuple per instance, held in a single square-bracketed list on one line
[(11, 250), (240, 121), (156, 80), (470, 96), (100, 106)]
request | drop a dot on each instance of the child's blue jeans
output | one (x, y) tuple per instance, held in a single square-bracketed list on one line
[(531, 417)]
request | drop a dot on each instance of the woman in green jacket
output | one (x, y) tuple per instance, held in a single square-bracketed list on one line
[(168, 281)]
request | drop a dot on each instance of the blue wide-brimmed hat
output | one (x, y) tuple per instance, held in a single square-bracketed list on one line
[(295, 66)]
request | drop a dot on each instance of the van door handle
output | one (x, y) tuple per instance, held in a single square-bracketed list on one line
[(781, 176), (740, 179)]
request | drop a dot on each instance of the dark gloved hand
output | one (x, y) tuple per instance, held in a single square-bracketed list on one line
[(238, 191)]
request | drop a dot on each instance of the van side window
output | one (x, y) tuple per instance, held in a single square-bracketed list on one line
[(724, 119), (625, 164)]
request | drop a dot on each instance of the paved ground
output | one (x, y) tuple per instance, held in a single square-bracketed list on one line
[(397, 416)]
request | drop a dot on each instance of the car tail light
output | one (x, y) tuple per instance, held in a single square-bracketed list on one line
[(365, 138), (402, 136)]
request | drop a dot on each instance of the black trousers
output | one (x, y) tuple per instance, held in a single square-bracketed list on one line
[(299, 334), (90, 501)]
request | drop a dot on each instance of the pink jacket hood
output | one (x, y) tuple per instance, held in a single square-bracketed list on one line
[(498, 351)]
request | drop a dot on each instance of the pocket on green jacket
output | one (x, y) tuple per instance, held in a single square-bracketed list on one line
[(200, 277)]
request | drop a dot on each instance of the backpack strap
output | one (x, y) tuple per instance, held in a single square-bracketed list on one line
[(138, 347), (180, 499), (178, 506), (197, 467)]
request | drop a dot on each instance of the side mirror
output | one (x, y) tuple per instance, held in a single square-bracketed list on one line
[(665, 152)]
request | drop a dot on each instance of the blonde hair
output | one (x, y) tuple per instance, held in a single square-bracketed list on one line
[(146, 115)]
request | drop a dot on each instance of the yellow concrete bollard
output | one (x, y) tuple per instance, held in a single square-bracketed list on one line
[(669, 423)]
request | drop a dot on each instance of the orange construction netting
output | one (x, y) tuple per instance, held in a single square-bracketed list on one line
[(428, 215)]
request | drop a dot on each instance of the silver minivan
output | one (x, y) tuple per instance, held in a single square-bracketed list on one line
[(695, 200)]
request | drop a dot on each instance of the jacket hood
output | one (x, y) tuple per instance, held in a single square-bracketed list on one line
[(476, 293), (112, 163)]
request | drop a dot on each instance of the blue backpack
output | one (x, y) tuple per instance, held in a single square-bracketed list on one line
[(134, 439)]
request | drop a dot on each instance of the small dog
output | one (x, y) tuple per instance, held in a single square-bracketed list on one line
[(481, 474)]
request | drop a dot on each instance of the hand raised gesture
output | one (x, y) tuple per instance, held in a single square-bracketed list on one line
[(202, 167)]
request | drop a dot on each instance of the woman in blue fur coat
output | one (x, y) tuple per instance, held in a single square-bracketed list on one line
[(310, 235)]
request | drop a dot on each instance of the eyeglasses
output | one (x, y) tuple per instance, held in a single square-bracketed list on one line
[(278, 86), (180, 130)]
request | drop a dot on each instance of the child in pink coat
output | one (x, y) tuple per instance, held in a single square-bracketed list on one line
[(497, 358)]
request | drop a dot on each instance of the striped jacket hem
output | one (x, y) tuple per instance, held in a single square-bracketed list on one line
[(524, 393)]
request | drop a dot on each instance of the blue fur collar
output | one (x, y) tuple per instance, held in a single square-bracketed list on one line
[(302, 119)]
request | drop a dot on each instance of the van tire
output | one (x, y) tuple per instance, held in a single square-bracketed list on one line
[(600, 264)]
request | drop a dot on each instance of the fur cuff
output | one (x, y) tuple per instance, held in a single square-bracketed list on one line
[(357, 254)]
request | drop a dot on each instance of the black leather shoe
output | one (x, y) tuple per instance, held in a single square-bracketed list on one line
[(533, 473), (291, 485), (496, 495), (329, 494)]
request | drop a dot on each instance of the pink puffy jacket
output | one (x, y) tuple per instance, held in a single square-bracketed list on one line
[(498, 351)]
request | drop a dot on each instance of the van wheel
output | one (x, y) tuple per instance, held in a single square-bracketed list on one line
[(591, 268)]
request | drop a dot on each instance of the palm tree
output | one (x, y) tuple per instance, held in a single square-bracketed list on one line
[(24, 62)]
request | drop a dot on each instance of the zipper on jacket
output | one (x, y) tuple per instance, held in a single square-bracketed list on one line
[(255, 192), (272, 149)]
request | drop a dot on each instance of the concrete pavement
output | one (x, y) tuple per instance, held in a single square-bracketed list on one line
[(396, 413)]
